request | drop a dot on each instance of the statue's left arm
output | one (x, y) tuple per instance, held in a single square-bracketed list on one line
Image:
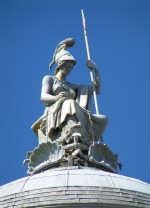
[(97, 81)]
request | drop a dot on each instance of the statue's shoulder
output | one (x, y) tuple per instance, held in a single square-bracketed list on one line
[(47, 79)]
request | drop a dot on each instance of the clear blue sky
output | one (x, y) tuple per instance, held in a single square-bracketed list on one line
[(119, 38)]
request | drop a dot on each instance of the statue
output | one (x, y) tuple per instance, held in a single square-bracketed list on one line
[(67, 106), (68, 131)]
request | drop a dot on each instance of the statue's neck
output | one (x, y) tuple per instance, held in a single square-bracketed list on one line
[(60, 76)]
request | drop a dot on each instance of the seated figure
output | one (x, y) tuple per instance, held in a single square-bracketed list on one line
[(67, 118), (68, 131)]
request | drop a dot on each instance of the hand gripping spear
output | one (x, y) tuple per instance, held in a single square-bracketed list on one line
[(89, 58)]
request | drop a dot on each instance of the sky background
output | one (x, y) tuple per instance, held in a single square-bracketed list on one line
[(119, 40)]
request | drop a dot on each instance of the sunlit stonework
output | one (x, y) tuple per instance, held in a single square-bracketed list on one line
[(68, 127), (72, 166)]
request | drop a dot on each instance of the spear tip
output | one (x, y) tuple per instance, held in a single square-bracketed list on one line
[(83, 17)]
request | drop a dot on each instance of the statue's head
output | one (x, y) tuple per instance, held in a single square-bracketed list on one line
[(66, 65), (62, 57)]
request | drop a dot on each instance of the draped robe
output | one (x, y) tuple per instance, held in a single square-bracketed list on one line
[(78, 105)]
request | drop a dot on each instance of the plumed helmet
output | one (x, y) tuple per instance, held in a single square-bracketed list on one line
[(61, 54)]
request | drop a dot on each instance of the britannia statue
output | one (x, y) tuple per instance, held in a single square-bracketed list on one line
[(69, 132), (68, 106)]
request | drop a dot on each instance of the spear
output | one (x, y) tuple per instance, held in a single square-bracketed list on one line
[(89, 58)]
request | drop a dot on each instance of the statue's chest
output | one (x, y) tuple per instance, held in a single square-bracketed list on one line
[(59, 87)]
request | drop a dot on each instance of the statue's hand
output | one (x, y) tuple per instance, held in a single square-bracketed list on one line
[(96, 79), (91, 65), (62, 95)]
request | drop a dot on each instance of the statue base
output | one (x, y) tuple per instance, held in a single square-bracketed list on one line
[(52, 155)]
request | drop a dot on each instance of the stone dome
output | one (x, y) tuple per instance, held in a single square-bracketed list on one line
[(75, 187)]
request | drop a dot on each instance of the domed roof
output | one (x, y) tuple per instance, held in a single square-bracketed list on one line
[(75, 187)]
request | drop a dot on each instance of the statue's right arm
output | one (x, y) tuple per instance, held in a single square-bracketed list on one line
[(46, 95)]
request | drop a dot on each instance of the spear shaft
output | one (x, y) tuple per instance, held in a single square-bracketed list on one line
[(89, 58)]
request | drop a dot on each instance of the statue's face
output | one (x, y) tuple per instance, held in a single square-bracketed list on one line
[(67, 68)]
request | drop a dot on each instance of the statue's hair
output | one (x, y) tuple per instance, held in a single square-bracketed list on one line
[(59, 67)]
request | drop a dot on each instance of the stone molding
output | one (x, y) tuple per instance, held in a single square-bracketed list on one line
[(75, 187), (76, 197)]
